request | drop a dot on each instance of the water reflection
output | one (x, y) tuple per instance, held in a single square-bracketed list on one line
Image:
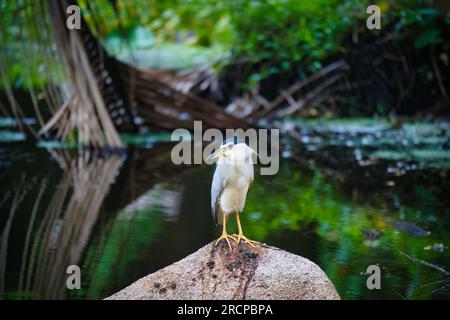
[(344, 231), (122, 216), (59, 227), (65, 224)]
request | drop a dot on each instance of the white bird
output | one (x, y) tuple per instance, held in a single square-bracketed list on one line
[(231, 181)]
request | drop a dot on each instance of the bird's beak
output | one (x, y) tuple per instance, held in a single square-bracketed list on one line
[(216, 154)]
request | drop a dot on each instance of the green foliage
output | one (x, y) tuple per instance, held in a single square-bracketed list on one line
[(276, 33), (25, 39), (194, 22), (272, 36), (427, 20), (283, 35)]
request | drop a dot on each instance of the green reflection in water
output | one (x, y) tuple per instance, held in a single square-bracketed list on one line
[(292, 201), (112, 253), (306, 212), (306, 204)]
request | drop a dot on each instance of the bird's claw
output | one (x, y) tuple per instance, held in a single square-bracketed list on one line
[(225, 236), (239, 237)]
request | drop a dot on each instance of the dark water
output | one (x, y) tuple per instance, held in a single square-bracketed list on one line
[(347, 196)]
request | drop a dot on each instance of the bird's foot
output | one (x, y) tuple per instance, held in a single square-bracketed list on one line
[(239, 237), (225, 236)]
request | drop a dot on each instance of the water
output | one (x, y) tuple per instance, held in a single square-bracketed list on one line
[(335, 201)]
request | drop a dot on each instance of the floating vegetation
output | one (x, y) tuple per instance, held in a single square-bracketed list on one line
[(11, 136), (146, 140), (427, 158), (415, 144), (54, 144), (438, 247), (11, 122)]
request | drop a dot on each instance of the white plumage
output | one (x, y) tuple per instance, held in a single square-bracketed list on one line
[(231, 181)]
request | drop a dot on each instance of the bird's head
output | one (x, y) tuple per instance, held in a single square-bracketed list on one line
[(233, 153)]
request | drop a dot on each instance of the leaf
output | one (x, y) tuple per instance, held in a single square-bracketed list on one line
[(427, 37), (428, 12)]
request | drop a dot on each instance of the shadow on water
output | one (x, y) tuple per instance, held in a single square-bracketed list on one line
[(122, 216)]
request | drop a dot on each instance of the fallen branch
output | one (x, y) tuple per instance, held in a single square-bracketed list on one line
[(426, 263), (311, 95), (163, 106), (338, 65)]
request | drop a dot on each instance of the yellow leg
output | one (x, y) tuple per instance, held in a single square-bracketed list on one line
[(225, 235), (241, 236)]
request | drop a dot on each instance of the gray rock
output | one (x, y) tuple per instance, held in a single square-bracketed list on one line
[(214, 272)]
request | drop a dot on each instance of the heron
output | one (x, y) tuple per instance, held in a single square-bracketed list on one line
[(232, 179)]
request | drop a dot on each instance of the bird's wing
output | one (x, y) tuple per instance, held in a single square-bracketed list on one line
[(217, 187)]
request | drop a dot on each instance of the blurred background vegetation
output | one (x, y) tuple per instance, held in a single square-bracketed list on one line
[(267, 45), (363, 116)]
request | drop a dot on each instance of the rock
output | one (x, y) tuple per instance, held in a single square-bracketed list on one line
[(371, 234), (215, 272), (410, 228)]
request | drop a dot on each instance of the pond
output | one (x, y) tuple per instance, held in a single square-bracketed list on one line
[(349, 194)]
